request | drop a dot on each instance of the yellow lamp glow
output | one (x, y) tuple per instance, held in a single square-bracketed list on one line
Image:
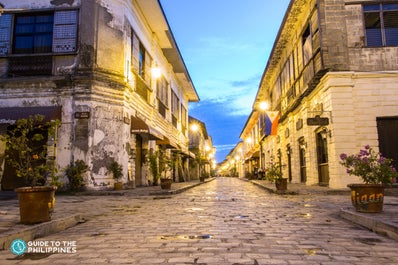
[(156, 72)]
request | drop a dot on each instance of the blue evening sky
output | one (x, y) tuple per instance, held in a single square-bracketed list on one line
[(225, 45)]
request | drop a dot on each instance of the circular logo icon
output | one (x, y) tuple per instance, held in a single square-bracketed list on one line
[(18, 247)]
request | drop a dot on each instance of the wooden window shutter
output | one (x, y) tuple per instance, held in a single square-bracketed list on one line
[(147, 70), (135, 50)]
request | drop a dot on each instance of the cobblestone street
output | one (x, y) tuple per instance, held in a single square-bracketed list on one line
[(225, 221)]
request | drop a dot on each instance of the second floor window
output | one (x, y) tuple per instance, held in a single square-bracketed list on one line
[(381, 25), (162, 94), (33, 33), (175, 110), (36, 33), (140, 58)]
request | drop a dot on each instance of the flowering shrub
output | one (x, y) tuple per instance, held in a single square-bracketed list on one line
[(371, 166)]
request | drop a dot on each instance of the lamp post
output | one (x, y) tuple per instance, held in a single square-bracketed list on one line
[(264, 106)]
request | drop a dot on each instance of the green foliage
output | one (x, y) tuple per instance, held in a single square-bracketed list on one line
[(75, 173), (116, 169), (273, 172), (369, 165), (26, 149), (159, 164)]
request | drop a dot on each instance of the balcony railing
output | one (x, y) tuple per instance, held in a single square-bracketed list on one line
[(30, 66)]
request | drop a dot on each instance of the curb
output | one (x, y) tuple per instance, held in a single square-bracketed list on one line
[(41, 230), (180, 190), (381, 227), (271, 190)]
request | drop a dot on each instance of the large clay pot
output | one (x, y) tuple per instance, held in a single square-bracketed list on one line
[(118, 185), (281, 184), (165, 184), (367, 198), (36, 204)]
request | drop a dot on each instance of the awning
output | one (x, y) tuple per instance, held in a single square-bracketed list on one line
[(138, 126), (166, 143), (11, 114)]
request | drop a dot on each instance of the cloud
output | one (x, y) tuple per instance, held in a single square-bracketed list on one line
[(236, 96)]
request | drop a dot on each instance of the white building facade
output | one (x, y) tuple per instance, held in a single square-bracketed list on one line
[(332, 75)]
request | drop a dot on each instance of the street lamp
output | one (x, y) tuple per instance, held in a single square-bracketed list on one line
[(156, 72), (194, 127), (264, 105)]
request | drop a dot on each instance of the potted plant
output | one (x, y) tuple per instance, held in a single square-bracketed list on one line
[(117, 173), (375, 171), (26, 152), (75, 173), (165, 164), (153, 167), (274, 174)]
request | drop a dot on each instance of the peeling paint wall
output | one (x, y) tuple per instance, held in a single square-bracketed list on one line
[(93, 88)]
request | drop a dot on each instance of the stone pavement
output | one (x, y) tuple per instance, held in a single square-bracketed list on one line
[(85, 206), (75, 209), (385, 223)]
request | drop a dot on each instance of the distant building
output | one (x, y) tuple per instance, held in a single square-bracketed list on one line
[(333, 77), (111, 72), (201, 149)]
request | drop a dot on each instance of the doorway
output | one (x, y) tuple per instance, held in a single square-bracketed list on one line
[(387, 129), (289, 161), (322, 157), (303, 166), (138, 160)]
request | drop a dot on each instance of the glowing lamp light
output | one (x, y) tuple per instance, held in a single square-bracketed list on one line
[(194, 127), (156, 72), (264, 105)]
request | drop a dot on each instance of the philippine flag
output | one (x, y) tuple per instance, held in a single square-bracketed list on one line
[(271, 122)]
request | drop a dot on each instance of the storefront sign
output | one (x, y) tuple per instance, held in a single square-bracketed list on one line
[(82, 115), (317, 121)]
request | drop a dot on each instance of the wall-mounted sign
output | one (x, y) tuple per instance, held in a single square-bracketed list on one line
[(317, 121), (82, 115)]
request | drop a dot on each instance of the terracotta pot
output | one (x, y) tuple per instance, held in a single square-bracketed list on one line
[(36, 204), (165, 184), (367, 198), (281, 184), (118, 186)]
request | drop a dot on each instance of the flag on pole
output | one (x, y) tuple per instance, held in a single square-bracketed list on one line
[(271, 122)]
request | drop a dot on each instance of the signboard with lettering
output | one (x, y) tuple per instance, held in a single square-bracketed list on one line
[(317, 121), (82, 115)]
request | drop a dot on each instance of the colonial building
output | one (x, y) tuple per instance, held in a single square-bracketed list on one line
[(233, 165), (333, 77), (201, 149), (110, 70)]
